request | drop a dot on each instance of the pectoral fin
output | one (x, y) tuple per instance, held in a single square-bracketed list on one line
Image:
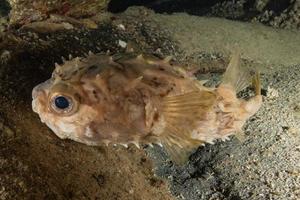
[(182, 114)]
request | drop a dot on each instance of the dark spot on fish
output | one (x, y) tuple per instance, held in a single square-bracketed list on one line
[(77, 96), (143, 160), (92, 67), (156, 116), (169, 90), (155, 82), (95, 94)]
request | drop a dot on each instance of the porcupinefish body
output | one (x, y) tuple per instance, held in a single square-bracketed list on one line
[(101, 99)]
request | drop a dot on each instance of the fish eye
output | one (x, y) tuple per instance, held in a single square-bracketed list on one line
[(63, 104)]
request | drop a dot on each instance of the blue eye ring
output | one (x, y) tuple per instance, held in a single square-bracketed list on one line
[(62, 104)]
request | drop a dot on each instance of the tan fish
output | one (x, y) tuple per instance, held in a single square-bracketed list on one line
[(126, 99)]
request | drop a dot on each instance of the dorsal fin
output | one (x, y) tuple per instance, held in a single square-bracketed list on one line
[(236, 76)]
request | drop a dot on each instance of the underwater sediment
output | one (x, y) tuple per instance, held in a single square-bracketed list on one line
[(34, 164)]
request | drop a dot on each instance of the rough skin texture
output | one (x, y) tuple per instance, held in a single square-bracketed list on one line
[(125, 99)]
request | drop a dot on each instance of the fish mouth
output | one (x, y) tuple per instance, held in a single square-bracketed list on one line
[(40, 88), (35, 92), (39, 91)]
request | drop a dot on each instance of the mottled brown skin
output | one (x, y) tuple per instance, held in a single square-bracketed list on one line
[(132, 99)]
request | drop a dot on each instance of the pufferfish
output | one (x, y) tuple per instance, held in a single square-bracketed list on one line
[(139, 99)]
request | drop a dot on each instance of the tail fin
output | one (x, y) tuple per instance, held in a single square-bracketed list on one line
[(236, 76), (256, 83)]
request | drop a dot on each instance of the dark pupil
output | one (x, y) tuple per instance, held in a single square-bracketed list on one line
[(62, 102)]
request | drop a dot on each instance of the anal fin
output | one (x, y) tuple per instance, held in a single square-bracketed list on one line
[(179, 149)]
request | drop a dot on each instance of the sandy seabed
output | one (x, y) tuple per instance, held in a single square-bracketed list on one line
[(35, 164)]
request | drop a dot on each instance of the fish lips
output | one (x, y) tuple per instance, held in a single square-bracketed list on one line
[(39, 91)]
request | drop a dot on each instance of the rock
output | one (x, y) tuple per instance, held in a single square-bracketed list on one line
[(26, 11), (289, 18)]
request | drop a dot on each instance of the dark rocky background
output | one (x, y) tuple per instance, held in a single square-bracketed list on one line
[(35, 164), (276, 13)]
